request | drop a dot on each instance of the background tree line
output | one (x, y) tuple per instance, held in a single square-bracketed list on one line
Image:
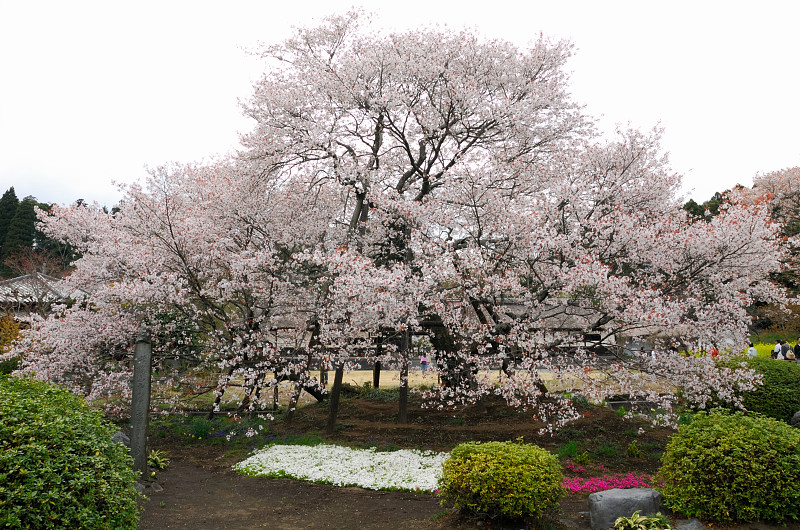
[(23, 248), (781, 190)]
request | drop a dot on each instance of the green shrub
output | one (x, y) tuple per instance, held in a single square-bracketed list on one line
[(201, 428), (733, 467), (158, 460), (779, 396), (569, 450), (9, 365), (608, 450), (236, 432), (366, 391), (583, 458), (58, 465), (641, 522), (633, 450), (502, 479)]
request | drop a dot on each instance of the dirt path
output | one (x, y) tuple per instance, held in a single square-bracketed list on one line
[(197, 496), (201, 492)]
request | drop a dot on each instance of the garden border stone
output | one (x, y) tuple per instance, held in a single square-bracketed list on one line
[(606, 506)]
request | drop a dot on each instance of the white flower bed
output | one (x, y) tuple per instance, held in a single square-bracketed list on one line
[(343, 466)]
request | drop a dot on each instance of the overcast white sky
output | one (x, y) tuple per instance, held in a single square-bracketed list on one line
[(92, 92)]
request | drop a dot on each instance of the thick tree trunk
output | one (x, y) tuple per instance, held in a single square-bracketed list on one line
[(402, 415), (335, 393), (218, 399), (296, 391), (252, 393)]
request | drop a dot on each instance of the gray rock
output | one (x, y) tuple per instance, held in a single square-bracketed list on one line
[(121, 437), (606, 506), (795, 421), (155, 487), (689, 524)]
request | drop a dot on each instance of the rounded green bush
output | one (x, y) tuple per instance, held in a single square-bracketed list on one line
[(779, 396), (726, 467), (9, 365), (58, 465), (505, 479)]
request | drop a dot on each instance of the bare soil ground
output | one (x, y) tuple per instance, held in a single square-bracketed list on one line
[(200, 491)]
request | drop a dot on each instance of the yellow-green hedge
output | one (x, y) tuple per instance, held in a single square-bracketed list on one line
[(725, 468), (506, 479), (58, 465)]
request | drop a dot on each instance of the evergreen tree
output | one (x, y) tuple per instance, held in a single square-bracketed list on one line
[(21, 232), (55, 255), (8, 207), (708, 209), (23, 248)]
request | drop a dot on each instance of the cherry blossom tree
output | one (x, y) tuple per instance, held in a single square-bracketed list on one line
[(200, 258), (394, 121), (598, 247), (780, 190), (470, 175), (427, 182)]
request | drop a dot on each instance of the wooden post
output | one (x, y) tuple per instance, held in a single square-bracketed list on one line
[(323, 373), (376, 375), (376, 370), (140, 402)]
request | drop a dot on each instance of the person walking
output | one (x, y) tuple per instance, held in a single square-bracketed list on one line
[(423, 362), (785, 349), (790, 355), (777, 349), (752, 351)]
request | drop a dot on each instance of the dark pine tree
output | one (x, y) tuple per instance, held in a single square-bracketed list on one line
[(8, 207), (708, 209), (21, 232)]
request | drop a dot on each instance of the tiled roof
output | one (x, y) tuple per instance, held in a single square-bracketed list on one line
[(30, 289)]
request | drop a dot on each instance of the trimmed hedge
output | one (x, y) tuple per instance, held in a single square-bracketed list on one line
[(779, 396), (505, 479), (58, 465), (727, 467)]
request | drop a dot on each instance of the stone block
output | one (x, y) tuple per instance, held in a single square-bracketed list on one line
[(606, 506), (121, 437), (689, 524)]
